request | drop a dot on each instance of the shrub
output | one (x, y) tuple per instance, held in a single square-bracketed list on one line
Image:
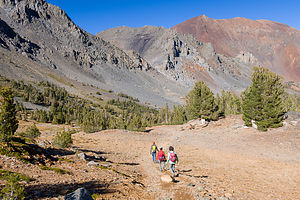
[(57, 170), (62, 139), (13, 189), (31, 132)]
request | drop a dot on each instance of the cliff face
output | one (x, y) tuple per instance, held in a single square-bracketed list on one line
[(274, 45), (180, 57), (44, 43)]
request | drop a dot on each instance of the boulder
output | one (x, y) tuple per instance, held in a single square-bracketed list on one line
[(166, 179), (253, 124), (196, 124), (79, 194)]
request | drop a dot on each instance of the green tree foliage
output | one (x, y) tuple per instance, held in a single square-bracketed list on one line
[(201, 103), (62, 139), (263, 100), (8, 120), (291, 102), (228, 103), (95, 121), (179, 115), (13, 189)]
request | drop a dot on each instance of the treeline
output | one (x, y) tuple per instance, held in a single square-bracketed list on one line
[(265, 102), (62, 108)]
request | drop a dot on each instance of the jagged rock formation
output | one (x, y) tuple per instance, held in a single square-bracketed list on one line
[(38, 41), (181, 57), (43, 42), (272, 44)]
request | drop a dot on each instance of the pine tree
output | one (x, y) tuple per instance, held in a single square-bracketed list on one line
[(201, 103), (262, 102), (179, 115), (8, 120)]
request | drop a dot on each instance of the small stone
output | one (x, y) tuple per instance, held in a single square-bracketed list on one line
[(191, 185), (82, 156), (42, 145), (92, 164), (222, 198), (228, 195), (200, 188), (166, 178), (294, 123)]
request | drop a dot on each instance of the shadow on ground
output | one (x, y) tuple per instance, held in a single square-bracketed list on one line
[(61, 189)]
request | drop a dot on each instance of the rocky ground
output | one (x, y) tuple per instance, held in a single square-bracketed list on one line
[(223, 160)]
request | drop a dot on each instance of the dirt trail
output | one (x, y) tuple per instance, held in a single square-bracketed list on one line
[(218, 161), (221, 161)]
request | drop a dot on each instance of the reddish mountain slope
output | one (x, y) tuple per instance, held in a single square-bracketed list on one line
[(274, 45)]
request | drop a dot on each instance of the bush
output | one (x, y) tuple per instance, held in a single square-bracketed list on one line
[(62, 139), (13, 189), (31, 132)]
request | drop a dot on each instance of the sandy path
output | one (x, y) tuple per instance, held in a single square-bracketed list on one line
[(220, 160), (217, 161)]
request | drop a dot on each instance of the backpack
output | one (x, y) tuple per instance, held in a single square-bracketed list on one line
[(173, 157), (153, 148), (160, 155)]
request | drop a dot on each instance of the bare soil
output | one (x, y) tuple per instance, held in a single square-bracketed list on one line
[(221, 161)]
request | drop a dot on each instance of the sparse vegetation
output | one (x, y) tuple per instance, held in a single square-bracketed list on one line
[(62, 139), (13, 189), (31, 132), (55, 169)]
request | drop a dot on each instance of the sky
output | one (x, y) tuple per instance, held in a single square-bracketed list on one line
[(97, 15)]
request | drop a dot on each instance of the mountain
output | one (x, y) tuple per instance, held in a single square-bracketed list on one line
[(38, 41), (180, 57), (274, 45)]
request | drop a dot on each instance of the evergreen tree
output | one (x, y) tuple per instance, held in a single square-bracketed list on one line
[(179, 115), (263, 101), (8, 120), (201, 103)]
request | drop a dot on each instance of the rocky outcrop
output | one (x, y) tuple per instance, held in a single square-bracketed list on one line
[(274, 45), (45, 34), (9, 39), (181, 57), (79, 194)]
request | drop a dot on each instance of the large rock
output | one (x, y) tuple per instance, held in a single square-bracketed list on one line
[(195, 124), (79, 194), (166, 179)]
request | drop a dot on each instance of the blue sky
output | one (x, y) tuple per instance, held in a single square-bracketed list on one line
[(97, 15)]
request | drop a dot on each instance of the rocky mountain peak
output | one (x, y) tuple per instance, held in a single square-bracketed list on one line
[(270, 43)]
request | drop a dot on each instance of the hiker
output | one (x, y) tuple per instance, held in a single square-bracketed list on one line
[(172, 159), (153, 151), (161, 157)]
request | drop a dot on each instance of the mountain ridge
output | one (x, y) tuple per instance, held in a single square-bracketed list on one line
[(275, 45), (68, 52)]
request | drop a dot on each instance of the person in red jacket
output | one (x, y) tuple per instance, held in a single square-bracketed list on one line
[(161, 157)]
